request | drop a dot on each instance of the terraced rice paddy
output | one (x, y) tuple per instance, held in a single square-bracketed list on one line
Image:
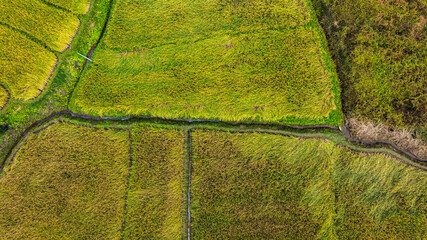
[(252, 186), (76, 6), (269, 71), (52, 26), (25, 65)]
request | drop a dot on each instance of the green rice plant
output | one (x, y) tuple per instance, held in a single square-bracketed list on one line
[(25, 65), (155, 202), (274, 76), (378, 197), (76, 6), (260, 186), (4, 96), (139, 24), (66, 182), (54, 27)]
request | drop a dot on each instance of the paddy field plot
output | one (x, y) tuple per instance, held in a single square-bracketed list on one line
[(71, 181), (52, 26), (25, 64), (378, 198), (76, 6), (270, 76), (156, 194), (136, 24), (66, 182), (253, 186)]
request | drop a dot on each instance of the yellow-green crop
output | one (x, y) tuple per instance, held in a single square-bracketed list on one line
[(4, 96), (66, 182), (260, 186), (267, 76), (146, 23), (25, 65), (76, 6), (156, 193), (54, 27)]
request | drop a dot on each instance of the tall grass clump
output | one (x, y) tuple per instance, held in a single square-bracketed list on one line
[(66, 182), (25, 65), (155, 202), (137, 24), (271, 76), (76, 6), (259, 186), (52, 26)]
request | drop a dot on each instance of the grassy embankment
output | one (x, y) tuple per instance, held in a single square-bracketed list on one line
[(19, 114), (380, 51), (53, 27), (75, 6), (26, 65), (247, 61), (264, 186), (66, 182)]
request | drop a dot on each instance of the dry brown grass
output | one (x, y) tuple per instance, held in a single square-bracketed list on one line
[(378, 131)]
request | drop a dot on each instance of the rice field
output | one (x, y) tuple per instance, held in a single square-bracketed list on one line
[(253, 186), (272, 76), (26, 65), (52, 26), (66, 182), (156, 193), (378, 198), (139, 24), (75, 6), (71, 181)]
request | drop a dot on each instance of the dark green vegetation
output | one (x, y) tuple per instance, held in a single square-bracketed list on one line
[(140, 24), (380, 51), (156, 193), (254, 186), (66, 182), (240, 71), (25, 65), (76, 6), (52, 26)]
